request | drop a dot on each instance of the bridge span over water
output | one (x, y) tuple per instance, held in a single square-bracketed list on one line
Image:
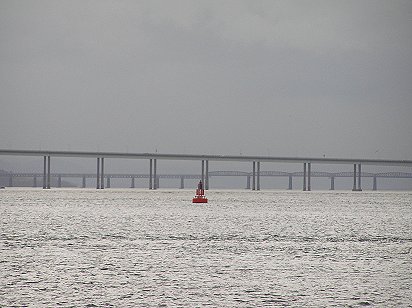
[(253, 176), (248, 175)]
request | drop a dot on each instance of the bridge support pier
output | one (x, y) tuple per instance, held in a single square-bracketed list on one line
[(150, 173), (258, 176), (10, 181), (156, 180), (48, 172), (153, 181), (132, 183), (309, 176), (59, 181), (84, 182), (98, 174), (375, 184), (254, 175), (359, 177), (290, 187), (304, 176), (44, 172), (354, 178), (207, 176), (35, 181), (108, 182), (356, 187), (332, 183), (182, 182), (102, 175), (248, 182), (202, 178)]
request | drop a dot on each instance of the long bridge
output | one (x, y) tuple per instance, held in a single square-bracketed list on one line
[(253, 176), (183, 177)]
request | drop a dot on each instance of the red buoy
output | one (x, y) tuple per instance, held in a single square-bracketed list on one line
[(200, 194)]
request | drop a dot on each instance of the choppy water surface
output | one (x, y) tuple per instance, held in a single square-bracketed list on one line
[(139, 248)]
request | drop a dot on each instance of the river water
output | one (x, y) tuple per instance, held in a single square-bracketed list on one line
[(140, 248)]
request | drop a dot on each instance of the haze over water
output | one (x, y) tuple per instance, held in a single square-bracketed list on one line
[(139, 248)]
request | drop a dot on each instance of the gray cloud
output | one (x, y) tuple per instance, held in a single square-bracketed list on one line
[(257, 77)]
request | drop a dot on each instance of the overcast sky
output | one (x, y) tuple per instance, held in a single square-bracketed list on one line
[(298, 78)]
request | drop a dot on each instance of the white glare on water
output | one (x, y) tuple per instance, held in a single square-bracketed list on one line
[(140, 248)]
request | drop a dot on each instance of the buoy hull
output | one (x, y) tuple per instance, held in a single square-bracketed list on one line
[(199, 199)]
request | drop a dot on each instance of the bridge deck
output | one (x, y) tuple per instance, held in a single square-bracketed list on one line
[(214, 173), (385, 162)]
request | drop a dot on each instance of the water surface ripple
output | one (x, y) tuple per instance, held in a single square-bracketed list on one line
[(139, 248)]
